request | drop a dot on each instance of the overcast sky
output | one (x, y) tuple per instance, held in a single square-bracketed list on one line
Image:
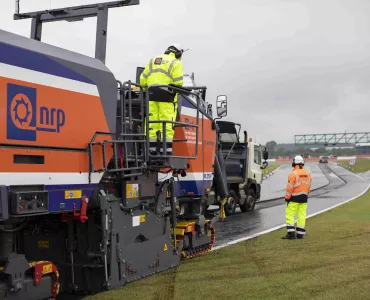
[(287, 66)]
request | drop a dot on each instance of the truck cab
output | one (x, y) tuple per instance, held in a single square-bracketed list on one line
[(243, 164), (236, 153)]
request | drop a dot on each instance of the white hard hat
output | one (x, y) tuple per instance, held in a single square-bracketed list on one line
[(176, 49), (298, 160), (175, 45)]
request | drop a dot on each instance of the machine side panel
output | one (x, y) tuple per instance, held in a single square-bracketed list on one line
[(43, 133), (107, 90), (44, 116), (91, 73), (200, 173)]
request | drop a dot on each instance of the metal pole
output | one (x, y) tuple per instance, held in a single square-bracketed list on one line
[(36, 29), (101, 34), (17, 6)]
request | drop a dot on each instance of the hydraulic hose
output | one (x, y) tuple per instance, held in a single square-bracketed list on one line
[(220, 175), (20, 227), (221, 182), (173, 211)]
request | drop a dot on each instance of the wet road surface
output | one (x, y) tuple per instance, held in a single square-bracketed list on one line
[(274, 186), (333, 182), (342, 186)]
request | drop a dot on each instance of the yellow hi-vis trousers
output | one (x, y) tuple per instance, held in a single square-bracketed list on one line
[(164, 111), (291, 210)]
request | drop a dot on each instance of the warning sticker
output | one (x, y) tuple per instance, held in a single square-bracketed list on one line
[(43, 244), (142, 218), (165, 248), (76, 194), (135, 221), (46, 269), (132, 191)]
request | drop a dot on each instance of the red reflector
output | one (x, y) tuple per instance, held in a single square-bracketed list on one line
[(190, 193)]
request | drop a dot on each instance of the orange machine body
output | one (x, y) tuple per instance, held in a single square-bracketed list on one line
[(48, 115), (199, 177)]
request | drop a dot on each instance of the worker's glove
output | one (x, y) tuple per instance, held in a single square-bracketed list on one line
[(287, 200)]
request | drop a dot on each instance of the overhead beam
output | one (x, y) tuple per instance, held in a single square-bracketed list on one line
[(331, 139), (74, 12), (77, 13)]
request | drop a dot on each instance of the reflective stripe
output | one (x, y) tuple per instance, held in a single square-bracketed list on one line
[(159, 71), (171, 66), (290, 228), (144, 75), (167, 73), (300, 193), (155, 141), (306, 182), (150, 66), (288, 194), (301, 231), (178, 79), (160, 149), (298, 184), (290, 185)]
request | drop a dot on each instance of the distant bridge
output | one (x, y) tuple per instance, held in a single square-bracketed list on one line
[(332, 139)]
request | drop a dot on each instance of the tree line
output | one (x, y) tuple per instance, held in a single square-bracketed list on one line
[(274, 151)]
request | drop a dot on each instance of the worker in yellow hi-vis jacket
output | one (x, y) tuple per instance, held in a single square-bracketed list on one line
[(163, 69), (297, 191)]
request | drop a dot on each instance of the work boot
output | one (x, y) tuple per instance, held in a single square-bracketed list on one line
[(289, 236), (300, 236)]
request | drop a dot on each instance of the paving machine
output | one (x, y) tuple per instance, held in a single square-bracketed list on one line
[(86, 203)]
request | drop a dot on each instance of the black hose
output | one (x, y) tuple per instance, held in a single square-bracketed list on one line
[(173, 210), (14, 229), (220, 176)]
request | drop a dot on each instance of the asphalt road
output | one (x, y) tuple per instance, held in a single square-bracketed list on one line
[(341, 186), (274, 186)]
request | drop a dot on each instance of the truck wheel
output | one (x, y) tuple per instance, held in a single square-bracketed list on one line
[(242, 207), (230, 204), (249, 202)]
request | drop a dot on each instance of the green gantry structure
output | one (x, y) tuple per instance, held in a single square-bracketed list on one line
[(332, 139)]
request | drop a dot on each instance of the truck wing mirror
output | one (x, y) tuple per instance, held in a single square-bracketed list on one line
[(221, 105), (265, 155)]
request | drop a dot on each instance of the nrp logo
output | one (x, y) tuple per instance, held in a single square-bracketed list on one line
[(25, 118)]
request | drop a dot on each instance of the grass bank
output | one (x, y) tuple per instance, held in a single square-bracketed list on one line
[(271, 167), (361, 165), (332, 262)]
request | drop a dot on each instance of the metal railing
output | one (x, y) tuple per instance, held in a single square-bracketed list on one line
[(183, 92), (131, 146)]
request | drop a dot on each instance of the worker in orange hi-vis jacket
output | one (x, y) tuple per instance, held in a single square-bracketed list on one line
[(297, 191)]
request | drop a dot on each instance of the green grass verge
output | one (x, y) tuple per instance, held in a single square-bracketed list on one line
[(332, 262), (362, 165), (271, 167)]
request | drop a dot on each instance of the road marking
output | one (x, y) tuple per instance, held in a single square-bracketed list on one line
[(353, 173), (283, 225)]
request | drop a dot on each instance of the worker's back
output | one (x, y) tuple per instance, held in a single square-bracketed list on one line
[(300, 183), (163, 69)]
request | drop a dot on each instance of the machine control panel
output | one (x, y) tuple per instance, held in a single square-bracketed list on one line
[(29, 202)]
